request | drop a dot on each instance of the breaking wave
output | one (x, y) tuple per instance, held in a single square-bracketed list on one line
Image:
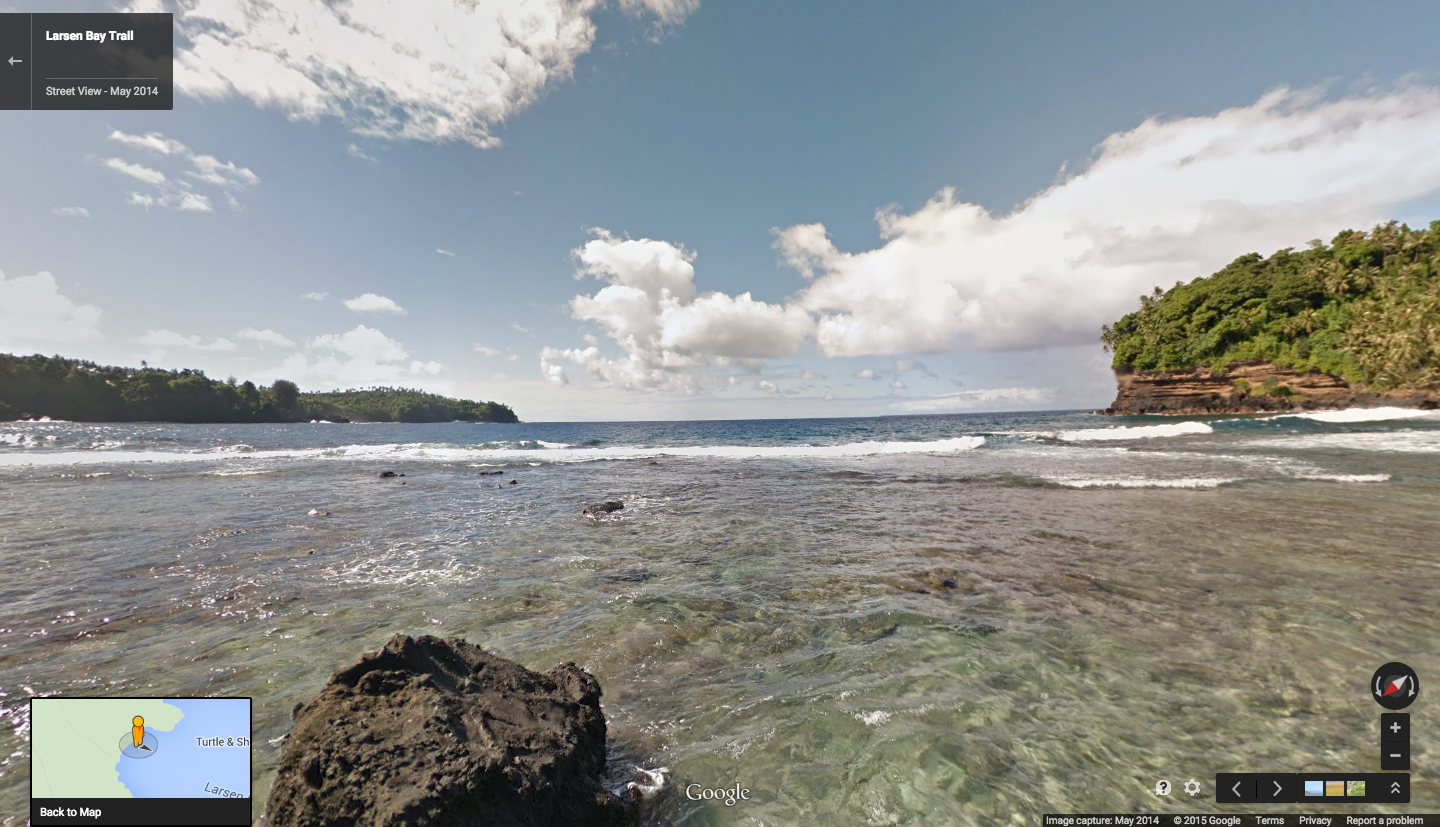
[(1360, 415), (542, 451), (1136, 432)]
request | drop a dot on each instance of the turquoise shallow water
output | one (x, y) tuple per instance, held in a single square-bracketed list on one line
[(920, 620)]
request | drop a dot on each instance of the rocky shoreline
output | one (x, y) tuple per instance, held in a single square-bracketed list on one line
[(1260, 387), (429, 732)]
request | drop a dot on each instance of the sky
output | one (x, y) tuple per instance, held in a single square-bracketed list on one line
[(687, 209)]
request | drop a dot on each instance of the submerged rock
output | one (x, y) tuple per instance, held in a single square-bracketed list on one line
[(388, 474), (433, 733), (601, 509)]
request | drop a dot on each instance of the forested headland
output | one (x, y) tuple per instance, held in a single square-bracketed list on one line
[(36, 386), (1364, 308)]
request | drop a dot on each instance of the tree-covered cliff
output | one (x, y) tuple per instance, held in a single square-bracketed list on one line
[(1365, 307), (87, 392)]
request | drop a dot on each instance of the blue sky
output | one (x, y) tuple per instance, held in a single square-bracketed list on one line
[(750, 209)]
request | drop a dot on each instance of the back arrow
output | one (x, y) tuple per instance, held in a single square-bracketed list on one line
[(15, 60), (1236, 788)]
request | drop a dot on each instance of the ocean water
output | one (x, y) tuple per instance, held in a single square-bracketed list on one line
[(929, 620)]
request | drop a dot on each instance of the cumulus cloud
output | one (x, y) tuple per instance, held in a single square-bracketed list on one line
[(440, 71), (1168, 200), (172, 191), (316, 296), (72, 212), (767, 386), (35, 315), (264, 337), (169, 338), (373, 303), (486, 351), (651, 310), (811, 375), (359, 357), (898, 384), (362, 343)]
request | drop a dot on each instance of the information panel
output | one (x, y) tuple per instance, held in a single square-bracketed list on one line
[(87, 61)]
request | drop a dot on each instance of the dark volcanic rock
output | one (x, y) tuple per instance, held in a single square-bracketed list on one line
[(601, 509), (389, 474), (433, 733)]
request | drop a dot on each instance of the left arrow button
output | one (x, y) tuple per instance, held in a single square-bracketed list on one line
[(15, 60)]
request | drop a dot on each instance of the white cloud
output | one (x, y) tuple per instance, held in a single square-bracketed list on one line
[(152, 141), (360, 357), (193, 202), (439, 71), (139, 172), (519, 329), (35, 315), (169, 338), (898, 384), (767, 386), (212, 170), (72, 212), (356, 152), (651, 311), (444, 252), (1168, 200), (373, 303), (866, 373), (171, 191), (362, 343), (987, 398), (811, 375), (316, 296), (486, 351), (264, 337), (667, 13)]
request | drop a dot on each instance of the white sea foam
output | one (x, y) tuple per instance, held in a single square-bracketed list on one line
[(447, 453), (875, 718), (1361, 415), (12, 439), (1399, 442), (1142, 482), (1136, 432), (1346, 477)]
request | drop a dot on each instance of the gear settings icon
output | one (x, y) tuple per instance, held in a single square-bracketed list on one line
[(1192, 787)]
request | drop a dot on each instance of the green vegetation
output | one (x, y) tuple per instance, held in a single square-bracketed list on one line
[(86, 392), (1366, 308)]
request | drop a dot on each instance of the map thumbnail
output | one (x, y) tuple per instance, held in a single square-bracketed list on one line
[(140, 748)]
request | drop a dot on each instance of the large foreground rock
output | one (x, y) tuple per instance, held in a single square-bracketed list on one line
[(440, 732)]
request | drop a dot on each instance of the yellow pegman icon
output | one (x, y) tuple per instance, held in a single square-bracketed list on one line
[(138, 731)]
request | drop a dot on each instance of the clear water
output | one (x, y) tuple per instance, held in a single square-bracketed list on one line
[(921, 620)]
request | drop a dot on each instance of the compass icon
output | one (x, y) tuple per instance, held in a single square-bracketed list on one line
[(1394, 686)]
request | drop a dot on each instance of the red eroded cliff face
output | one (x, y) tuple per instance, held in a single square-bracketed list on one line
[(1250, 388)]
